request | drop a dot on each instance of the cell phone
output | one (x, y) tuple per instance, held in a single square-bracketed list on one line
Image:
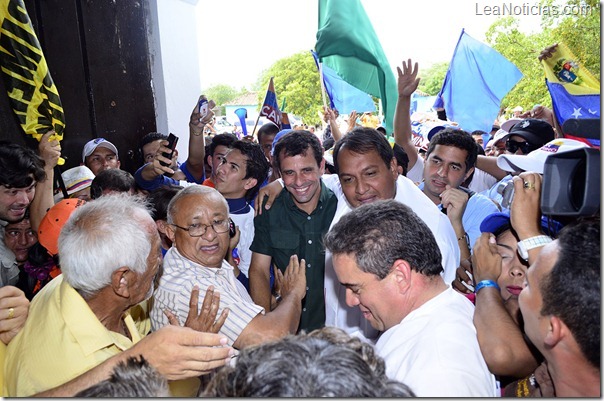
[(203, 106), (172, 141), (232, 231)]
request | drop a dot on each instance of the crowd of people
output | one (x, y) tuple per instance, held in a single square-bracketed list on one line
[(289, 265)]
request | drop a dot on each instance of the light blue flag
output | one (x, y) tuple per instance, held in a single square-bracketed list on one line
[(476, 81), (343, 96)]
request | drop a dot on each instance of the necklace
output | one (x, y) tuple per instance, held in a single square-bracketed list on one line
[(243, 208)]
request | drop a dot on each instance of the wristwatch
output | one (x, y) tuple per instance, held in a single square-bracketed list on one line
[(530, 243)]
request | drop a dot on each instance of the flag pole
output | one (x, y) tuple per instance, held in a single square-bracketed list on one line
[(322, 85), (255, 125)]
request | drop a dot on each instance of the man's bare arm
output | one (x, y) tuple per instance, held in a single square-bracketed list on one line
[(285, 318), (197, 152), (407, 84), (49, 151)]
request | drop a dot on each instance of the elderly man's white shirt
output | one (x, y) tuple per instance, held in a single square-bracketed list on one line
[(350, 319), (179, 276)]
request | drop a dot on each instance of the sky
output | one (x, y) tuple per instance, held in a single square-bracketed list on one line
[(238, 39)]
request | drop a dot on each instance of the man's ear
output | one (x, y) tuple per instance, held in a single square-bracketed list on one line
[(555, 331), (401, 271), (470, 171), (250, 183), (120, 282), (162, 226), (170, 231), (322, 167), (394, 168)]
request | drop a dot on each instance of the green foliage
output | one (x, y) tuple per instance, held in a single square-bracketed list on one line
[(296, 78), (580, 32), (432, 79), (221, 94)]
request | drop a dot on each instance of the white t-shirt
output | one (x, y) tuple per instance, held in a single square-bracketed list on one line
[(416, 173), (245, 222), (481, 181), (434, 350), (337, 313)]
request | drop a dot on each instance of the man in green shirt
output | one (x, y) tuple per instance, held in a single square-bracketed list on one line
[(295, 225)]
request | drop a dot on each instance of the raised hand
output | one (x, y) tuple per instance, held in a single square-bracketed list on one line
[(407, 78)]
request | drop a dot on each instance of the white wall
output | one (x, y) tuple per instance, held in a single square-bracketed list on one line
[(175, 66)]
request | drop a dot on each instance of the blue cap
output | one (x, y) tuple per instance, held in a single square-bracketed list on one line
[(500, 221), (278, 136), (435, 130)]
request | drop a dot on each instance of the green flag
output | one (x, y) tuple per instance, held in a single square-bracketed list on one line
[(347, 43)]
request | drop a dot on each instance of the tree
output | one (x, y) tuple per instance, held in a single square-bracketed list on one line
[(221, 94), (432, 79), (574, 22), (296, 78), (522, 50)]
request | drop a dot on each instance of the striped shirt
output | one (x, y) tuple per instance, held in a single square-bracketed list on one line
[(181, 274)]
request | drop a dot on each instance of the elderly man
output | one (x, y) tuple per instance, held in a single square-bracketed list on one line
[(199, 229), (388, 261), (110, 256)]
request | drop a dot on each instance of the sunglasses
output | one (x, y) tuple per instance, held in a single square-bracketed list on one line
[(513, 146)]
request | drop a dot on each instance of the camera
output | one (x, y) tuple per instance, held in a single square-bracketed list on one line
[(571, 183), (570, 186), (506, 190)]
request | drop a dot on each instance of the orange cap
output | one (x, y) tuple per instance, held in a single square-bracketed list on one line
[(53, 221)]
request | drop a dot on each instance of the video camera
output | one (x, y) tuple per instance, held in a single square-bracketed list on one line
[(571, 180)]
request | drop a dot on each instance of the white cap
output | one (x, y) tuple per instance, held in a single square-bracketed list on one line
[(535, 161), (500, 135), (95, 143), (507, 125), (75, 179)]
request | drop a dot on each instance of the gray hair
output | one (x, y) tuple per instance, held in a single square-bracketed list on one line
[(133, 378), (303, 366), (102, 236), (193, 189), (382, 232)]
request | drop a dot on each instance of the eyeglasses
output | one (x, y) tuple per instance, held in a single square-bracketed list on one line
[(198, 229), (513, 146)]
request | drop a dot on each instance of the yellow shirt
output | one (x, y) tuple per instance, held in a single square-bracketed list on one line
[(61, 339), (2, 359)]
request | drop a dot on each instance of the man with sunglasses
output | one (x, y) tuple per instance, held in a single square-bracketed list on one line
[(524, 137)]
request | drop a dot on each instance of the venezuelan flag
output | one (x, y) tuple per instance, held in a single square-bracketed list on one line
[(575, 92), (33, 95)]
